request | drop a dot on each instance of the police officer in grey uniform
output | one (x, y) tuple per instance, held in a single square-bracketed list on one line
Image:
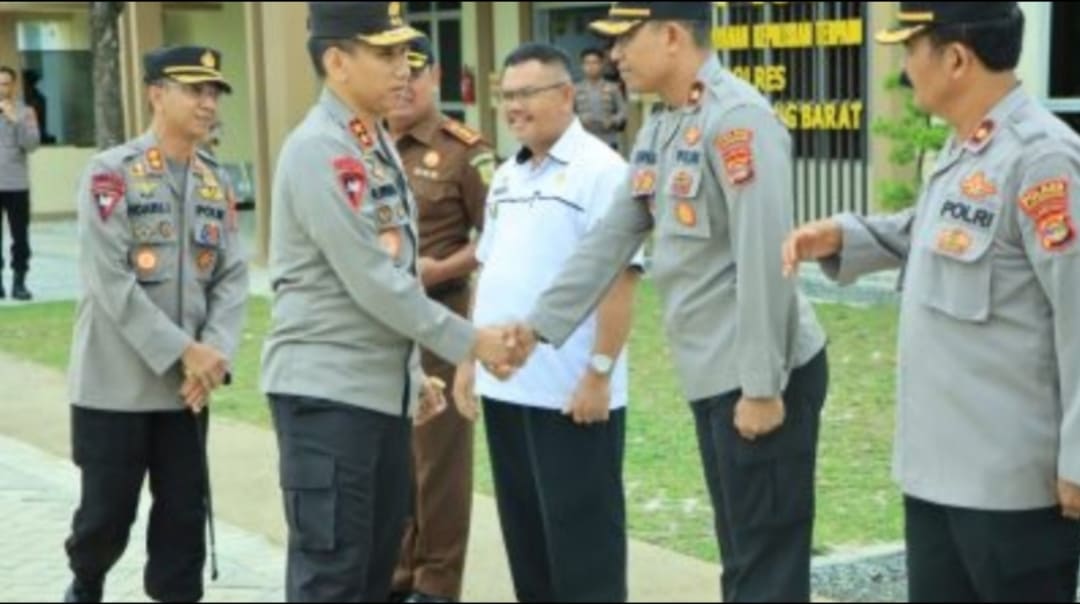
[(20, 135), (599, 103), (988, 437), (166, 285), (711, 175), (341, 365)]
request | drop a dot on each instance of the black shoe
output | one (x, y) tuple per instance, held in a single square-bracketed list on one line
[(81, 592), (396, 597), (19, 291), (420, 598)]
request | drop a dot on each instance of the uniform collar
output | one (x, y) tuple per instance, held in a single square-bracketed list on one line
[(424, 131), (710, 72), (998, 116), (337, 108), (368, 139), (566, 148)]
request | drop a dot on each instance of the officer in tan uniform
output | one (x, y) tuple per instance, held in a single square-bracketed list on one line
[(449, 168), (987, 448), (711, 176), (341, 365), (166, 285), (600, 104)]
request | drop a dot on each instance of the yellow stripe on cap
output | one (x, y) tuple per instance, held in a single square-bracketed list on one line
[(634, 13), (182, 69), (910, 17), (613, 28), (392, 37), (417, 60), (201, 79), (898, 36)]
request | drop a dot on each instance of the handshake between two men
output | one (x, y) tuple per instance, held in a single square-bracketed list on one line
[(502, 350)]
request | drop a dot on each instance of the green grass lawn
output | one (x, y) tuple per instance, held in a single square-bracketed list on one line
[(669, 506)]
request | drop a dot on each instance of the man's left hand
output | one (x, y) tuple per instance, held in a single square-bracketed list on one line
[(755, 418), (592, 400), (1069, 498), (430, 272), (432, 402)]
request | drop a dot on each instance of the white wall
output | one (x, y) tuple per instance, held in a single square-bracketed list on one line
[(1033, 61)]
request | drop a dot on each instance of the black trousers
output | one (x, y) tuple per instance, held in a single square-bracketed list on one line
[(16, 205), (559, 491), (762, 491), (115, 451), (345, 480), (964, 555)]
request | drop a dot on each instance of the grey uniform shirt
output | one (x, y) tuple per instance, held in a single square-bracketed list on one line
[(600, 106), (349, 309), (989, 378), (17, 140), (162, 266), (714, 181)]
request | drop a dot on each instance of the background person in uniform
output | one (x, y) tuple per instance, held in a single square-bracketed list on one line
[(988, 431), (711, 175), (449, 168), (556, 431), (166, 288), (599, 103), (341, 365), (19, 136)]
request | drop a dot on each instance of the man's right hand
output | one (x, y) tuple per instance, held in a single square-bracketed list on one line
[(812, 241), (205, 366), (8, 109)]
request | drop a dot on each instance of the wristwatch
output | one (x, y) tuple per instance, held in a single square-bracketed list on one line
[(601, 364)]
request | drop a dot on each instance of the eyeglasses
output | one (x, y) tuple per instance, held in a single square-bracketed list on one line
[(528, 93)]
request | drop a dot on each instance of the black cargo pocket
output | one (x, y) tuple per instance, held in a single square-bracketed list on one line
[(775, 474), (307, 482)]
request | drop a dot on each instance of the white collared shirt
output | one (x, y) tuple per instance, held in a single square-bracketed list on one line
[(537, 215)]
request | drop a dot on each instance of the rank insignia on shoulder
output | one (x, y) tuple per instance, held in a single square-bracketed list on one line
[(155, 160), (461, 132), (692, 136), (361, 133)]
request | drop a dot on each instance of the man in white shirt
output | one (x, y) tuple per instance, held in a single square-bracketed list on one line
[(556, 429)]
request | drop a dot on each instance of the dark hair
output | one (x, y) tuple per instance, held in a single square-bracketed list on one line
[(317, 48), (11, 72), (997, 44), (545, 54), (592, 52)]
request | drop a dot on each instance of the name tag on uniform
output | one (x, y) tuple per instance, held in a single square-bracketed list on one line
[(149, 209)]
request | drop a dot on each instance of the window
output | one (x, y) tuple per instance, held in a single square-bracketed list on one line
[(57, 78), (441, 21), (1064, 32)]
